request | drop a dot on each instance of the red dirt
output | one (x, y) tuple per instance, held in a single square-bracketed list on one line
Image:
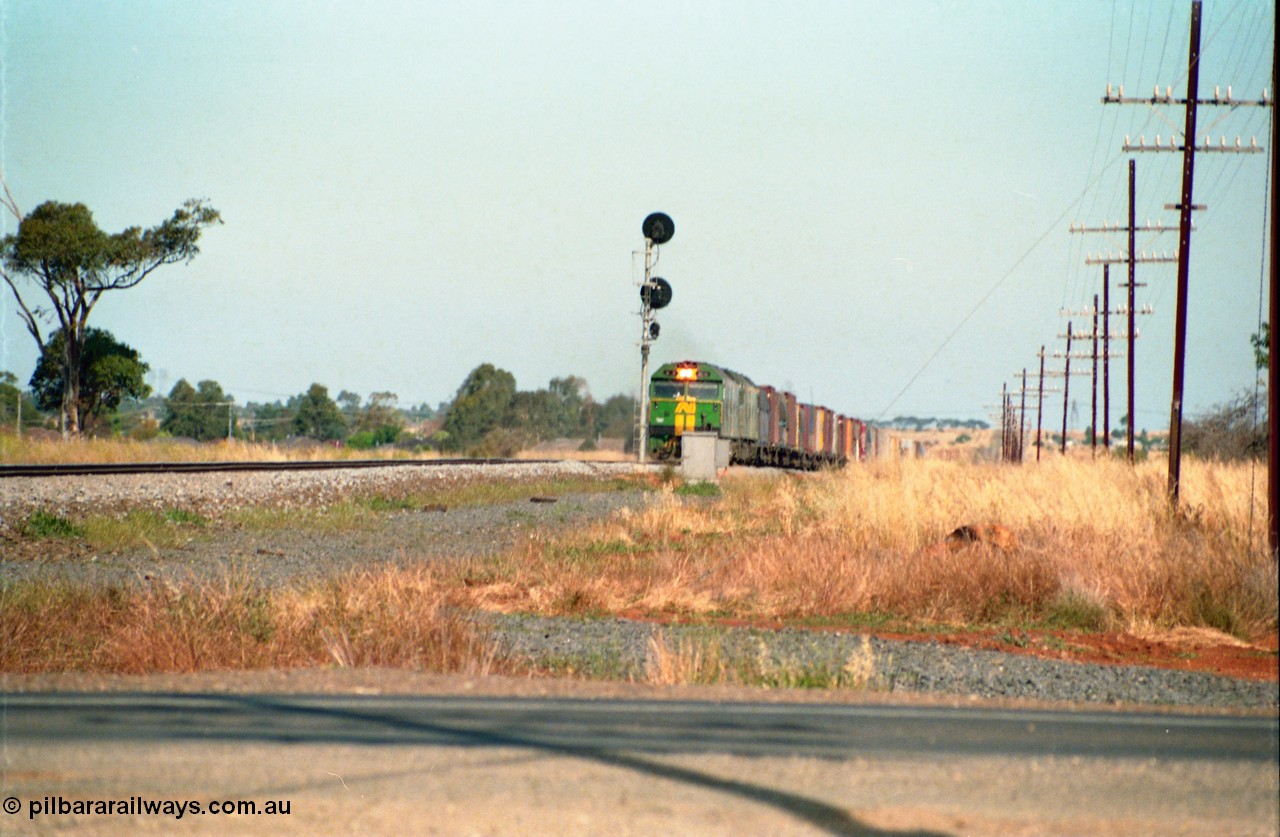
[(1185, 649)]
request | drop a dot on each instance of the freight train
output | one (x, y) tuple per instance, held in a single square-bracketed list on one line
[(764, 426)]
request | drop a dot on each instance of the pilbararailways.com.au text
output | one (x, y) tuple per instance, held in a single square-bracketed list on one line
[(48, 806)]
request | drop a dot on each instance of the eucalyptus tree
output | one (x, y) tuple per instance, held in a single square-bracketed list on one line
[(59, 264), (203, 412), (317, 416), (110, 371)]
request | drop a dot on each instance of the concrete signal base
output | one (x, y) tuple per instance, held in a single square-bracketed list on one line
[(702, 456)]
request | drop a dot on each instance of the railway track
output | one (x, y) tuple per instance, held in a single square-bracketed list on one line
[(104, 469)]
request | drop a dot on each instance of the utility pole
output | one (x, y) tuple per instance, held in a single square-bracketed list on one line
[(1133, 285), (1106, 336), (1094, 356), (1273, 372), (1014, 438), (1106, 356), (1187, 146), (1004, 422), (1184, 256), (1066, 374), (1093, 420), (1008, 434), (1131, 229), (1040, 404), (1066, 388), (1022, 414), (1132, 335)]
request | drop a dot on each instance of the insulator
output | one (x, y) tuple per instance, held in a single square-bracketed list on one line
[(1216, 94), (1156, 94)]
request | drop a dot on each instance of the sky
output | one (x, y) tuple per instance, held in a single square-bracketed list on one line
[(871, 200)]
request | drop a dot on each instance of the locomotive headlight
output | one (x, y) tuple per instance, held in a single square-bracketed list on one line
[(686, 373)]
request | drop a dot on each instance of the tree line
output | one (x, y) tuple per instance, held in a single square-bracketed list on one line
[(489, 415)]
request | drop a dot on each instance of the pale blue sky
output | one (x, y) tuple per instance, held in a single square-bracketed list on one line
[(412, 189)]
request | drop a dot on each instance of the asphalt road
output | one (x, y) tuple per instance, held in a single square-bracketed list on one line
[(446, 765), (568, 725)]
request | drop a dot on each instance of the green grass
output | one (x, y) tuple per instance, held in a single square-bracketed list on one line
[(382, 503), (42, 524), (1071, 610), (142, 528), (343, 516), (699, 489), (182, 517)]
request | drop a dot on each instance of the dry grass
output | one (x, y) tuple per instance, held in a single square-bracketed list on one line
[(384, 618), (702, 661), (31, 450), (1097, 547)]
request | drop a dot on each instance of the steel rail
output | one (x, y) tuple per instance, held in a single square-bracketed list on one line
[(106, 469)]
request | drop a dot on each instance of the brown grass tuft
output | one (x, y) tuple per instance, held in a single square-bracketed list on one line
[(393, 618)]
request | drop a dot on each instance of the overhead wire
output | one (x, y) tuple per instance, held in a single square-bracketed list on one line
[(1075, 249), (1052, 227)]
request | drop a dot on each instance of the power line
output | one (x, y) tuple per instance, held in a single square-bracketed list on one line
[(1054, 225)]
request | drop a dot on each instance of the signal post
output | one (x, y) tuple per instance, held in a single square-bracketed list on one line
[(655, 293)]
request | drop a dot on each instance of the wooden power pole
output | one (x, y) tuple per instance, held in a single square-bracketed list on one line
[(1187, 147)]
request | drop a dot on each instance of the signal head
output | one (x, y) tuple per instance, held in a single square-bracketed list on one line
[(656, 293), (658, 227)]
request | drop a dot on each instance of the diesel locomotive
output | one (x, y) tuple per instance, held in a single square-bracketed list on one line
[(764, 425)]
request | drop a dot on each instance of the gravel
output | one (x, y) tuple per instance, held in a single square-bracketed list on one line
[(612, 647), (210, 494), (622, 647)]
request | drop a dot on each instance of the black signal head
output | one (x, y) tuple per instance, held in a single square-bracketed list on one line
[(656, 293), (658, 227)]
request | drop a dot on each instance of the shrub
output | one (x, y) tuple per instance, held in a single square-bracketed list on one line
[(1231, 431)]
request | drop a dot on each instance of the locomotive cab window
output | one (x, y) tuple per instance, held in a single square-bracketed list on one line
[(705, 392), (663, 389)]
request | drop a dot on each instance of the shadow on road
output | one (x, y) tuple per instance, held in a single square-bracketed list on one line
[(827, 817), (354, 721)]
